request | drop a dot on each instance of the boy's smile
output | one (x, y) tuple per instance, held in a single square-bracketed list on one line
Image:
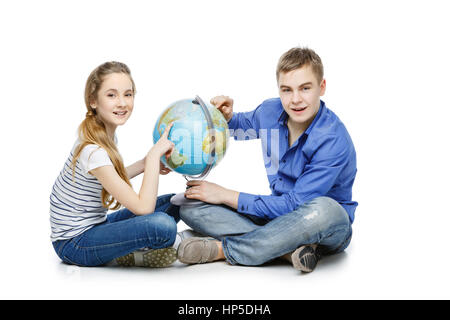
[(300, 93)]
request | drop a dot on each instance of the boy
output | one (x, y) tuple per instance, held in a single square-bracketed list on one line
[(310, 165)]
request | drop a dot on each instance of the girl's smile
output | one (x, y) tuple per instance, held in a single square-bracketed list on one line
[(115, 101)]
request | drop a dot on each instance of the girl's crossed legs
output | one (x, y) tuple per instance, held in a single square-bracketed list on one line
[(122, 233)]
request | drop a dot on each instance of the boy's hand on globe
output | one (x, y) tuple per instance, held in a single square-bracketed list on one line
[(225, 105), (204, 191), (211, 193)]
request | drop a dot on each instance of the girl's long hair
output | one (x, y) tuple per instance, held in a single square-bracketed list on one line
[(93, 131)]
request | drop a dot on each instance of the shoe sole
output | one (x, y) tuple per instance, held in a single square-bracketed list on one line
[(304, 261), (153, 258)]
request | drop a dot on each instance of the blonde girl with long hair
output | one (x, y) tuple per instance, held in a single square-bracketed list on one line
[(94, 180)]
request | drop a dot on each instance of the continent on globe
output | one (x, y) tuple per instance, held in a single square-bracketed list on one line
[(176, 159), (192, 136)]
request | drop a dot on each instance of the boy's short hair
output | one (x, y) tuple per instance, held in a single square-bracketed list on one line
[(298, 57)]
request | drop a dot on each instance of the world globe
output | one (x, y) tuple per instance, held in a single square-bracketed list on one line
[(200, 134)]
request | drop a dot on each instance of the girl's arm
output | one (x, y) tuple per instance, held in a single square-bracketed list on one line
[(138, 167), (143, 202), (135, 169)]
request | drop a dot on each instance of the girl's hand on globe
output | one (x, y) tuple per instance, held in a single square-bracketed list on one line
[(163, 146), (163, 170), (225, 105)]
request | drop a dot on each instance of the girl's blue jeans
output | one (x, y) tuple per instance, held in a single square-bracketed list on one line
[(250, 240), (122, 233)]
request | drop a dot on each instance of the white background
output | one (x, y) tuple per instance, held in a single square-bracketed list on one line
[(386, 65)]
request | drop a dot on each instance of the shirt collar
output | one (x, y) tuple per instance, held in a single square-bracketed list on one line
[(283, 117), (316, 118)]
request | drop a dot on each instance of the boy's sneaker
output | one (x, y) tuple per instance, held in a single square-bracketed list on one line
[(305, 258), (151, 258), (185, 234), (197, 250)]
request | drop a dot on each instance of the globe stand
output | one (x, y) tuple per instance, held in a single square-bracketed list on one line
[(179, 199)]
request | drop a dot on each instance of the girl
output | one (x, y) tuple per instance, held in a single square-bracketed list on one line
[(94, 180)]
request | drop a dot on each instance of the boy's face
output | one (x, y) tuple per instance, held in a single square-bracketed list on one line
[(300, 93)]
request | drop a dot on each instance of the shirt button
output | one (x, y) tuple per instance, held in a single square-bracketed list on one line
[(280, 179), (284, 161)]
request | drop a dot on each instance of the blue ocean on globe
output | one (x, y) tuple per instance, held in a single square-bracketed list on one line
[(192, 136)]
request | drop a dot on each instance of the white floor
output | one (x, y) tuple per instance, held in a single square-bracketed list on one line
[(363, 272), (394, 106)]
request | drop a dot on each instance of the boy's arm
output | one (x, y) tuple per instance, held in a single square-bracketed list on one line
[(242, 125), (318, 178), (211, 193), (245, 125)]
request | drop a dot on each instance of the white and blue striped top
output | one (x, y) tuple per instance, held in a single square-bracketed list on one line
[(75, 201)]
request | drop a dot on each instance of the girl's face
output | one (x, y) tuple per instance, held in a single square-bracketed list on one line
[(115, 101)]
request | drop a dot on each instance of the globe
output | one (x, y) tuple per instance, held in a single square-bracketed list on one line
[(200, 134)]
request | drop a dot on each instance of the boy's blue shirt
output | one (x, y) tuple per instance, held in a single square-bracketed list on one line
[(322, 162)]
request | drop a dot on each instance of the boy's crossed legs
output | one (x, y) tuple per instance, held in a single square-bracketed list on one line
[(250, 240)]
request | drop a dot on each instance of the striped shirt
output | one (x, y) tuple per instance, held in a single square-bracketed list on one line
[(75, 201)]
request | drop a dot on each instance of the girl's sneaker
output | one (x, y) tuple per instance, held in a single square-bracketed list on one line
[(151, 258)]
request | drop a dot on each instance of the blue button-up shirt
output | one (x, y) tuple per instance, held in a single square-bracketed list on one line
[(322, 162)]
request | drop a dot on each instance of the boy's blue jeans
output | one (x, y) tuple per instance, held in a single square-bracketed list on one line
[(250, 240), (122, 233)]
